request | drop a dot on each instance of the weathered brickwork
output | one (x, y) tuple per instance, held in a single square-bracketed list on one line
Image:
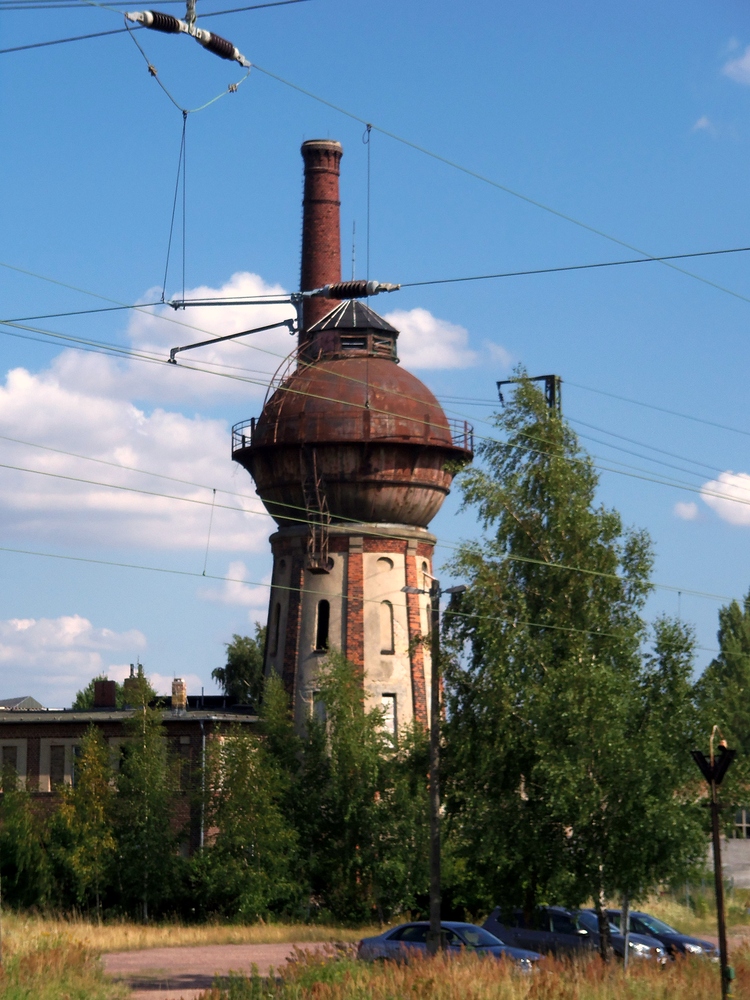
[(355, 605), (416, 648), (293, 624)]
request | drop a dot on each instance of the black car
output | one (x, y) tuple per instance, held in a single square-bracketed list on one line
[(561, 932), (552, 929), (674, 942)]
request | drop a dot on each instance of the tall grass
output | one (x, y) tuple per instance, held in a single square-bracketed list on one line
[(26, 932), (53, 970), (469, 977)]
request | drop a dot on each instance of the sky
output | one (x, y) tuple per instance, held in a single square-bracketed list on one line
[(562, 134)]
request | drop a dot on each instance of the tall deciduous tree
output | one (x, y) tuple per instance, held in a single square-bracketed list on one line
[(242, 676), (249, 866), (543, 695), (146, 842), (81, 837)]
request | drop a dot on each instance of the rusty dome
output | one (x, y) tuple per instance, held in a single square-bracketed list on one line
[(355, 425)]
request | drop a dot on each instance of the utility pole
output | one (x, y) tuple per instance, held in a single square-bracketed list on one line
[(713, 770), (434, 938)]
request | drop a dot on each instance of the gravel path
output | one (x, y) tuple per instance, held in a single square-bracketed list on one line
[(183, 973)]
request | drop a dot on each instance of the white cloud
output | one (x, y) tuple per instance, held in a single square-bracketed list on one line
[(738, 69), (498, 354), (234, 591), (704, 124), (686, 511), (428, 342), (52, 658), (43, 408), (729, 497)]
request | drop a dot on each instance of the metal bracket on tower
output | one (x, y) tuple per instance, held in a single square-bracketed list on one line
[(552, 389)]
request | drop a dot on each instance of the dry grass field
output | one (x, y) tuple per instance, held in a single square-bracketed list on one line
[(471, 978)]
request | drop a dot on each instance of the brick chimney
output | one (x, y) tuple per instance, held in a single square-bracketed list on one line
[(321, 231)]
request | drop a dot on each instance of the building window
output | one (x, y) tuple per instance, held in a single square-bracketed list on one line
[(321, 630), (10, 767), (386, 627), (56, 765), (384, 564), (742, 824), (276, 626), (388, 704)]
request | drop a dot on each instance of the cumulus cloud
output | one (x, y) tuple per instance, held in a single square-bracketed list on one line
[(498, 354), (52, 658), (234, 591), (729, 497), (428, 342), (43, 408), (686, 511), (738, 69), (704, 124)]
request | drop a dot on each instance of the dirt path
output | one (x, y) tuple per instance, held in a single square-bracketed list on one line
[(183, 973)]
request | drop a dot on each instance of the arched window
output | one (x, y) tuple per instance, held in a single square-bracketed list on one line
[(386, 627), (276, 626), (321, 629)]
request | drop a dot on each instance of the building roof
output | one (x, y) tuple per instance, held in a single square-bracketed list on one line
[(23, 704), (352, 315)]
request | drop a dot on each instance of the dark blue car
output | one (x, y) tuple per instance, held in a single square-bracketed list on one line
[(565, 933), (674, 942)]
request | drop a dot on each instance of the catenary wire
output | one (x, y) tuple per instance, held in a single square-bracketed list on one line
[(500, 187), (309, 590), (121, 31)]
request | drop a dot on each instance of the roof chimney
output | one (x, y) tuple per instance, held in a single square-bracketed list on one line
[(321, 231)]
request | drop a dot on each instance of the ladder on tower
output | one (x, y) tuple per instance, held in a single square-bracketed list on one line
[(318, 514)]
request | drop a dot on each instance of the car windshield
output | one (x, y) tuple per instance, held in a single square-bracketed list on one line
[(654, 925), (477, 937), (591, 922)]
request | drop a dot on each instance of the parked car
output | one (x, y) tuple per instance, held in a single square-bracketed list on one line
[(674, 942), (551, 929), (639, 945), (562, 932), (399, 941)]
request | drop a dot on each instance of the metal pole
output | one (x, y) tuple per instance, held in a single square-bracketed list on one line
[(726, 974), (434, 941), (625, 928)]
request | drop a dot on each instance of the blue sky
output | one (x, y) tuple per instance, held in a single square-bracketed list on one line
[(633, 120)]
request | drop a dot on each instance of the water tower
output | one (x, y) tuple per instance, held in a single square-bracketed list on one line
[(350, 456)]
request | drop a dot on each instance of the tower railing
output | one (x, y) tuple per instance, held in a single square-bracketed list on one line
[(364, 426)]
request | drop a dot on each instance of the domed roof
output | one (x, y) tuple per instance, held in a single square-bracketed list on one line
[(353, 399)]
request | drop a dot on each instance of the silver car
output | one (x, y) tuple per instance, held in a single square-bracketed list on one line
[(397, 942)]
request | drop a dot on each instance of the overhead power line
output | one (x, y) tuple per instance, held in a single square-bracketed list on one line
[(122, 31), (574, 267)]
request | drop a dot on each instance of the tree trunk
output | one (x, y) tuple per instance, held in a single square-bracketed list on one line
[(605, 938)]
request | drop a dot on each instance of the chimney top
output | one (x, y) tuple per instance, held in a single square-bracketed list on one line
[(321, 233)]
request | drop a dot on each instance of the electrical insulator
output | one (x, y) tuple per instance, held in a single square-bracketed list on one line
[(157, 21), (353, 289), (216, 44)]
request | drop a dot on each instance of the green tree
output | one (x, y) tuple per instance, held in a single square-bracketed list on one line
[(81, 835), (543, 690), (24, 863), (242, 676), (144, 809), (362, 812), (248, 869)]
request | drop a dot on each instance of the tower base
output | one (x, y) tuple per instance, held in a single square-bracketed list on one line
[(359, 608)]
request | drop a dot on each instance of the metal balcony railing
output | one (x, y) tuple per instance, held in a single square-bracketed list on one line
[(359, 426)]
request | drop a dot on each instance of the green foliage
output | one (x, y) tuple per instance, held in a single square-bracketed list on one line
[(80, 833), (242, 676), (362, 808), (248, 868), (146, 842), (24, 865), (548, 688)]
